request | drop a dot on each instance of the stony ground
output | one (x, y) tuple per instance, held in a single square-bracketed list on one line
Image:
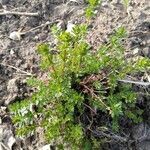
[(18, 57)]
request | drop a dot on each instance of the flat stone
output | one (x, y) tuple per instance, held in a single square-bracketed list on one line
[(46, 147), (146, 51), (12, 89)]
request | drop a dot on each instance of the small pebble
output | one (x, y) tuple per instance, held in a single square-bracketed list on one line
[(15, 36), (11, 52), (70, 27), (46, 147), (11, 142), (146, 51), (135, 51)]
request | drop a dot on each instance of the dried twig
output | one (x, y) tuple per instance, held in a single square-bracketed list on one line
[(22, 71), (6, 12), (90, 108), (4, 146), (40, 26), (95, 96), (110, 135), (136, 82), (90, 121), (16, 35)]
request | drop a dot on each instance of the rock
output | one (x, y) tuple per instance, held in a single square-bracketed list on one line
[(16, 36), (135, 51), (46, 147), (12, 86), (70, 27), (13, 90), (7, 139), (11, 142), (146, 52), (12, 52)]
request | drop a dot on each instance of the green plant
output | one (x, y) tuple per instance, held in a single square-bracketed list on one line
[(92, 5), (75, 75), (90, 11), (126, 3)]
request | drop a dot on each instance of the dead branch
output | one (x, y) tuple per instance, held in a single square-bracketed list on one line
[(110, 136), (90, 108), (22, 71), (4, 146), (40, 26), (136, 82), (91, 92), (6, 12), (20, 32)]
